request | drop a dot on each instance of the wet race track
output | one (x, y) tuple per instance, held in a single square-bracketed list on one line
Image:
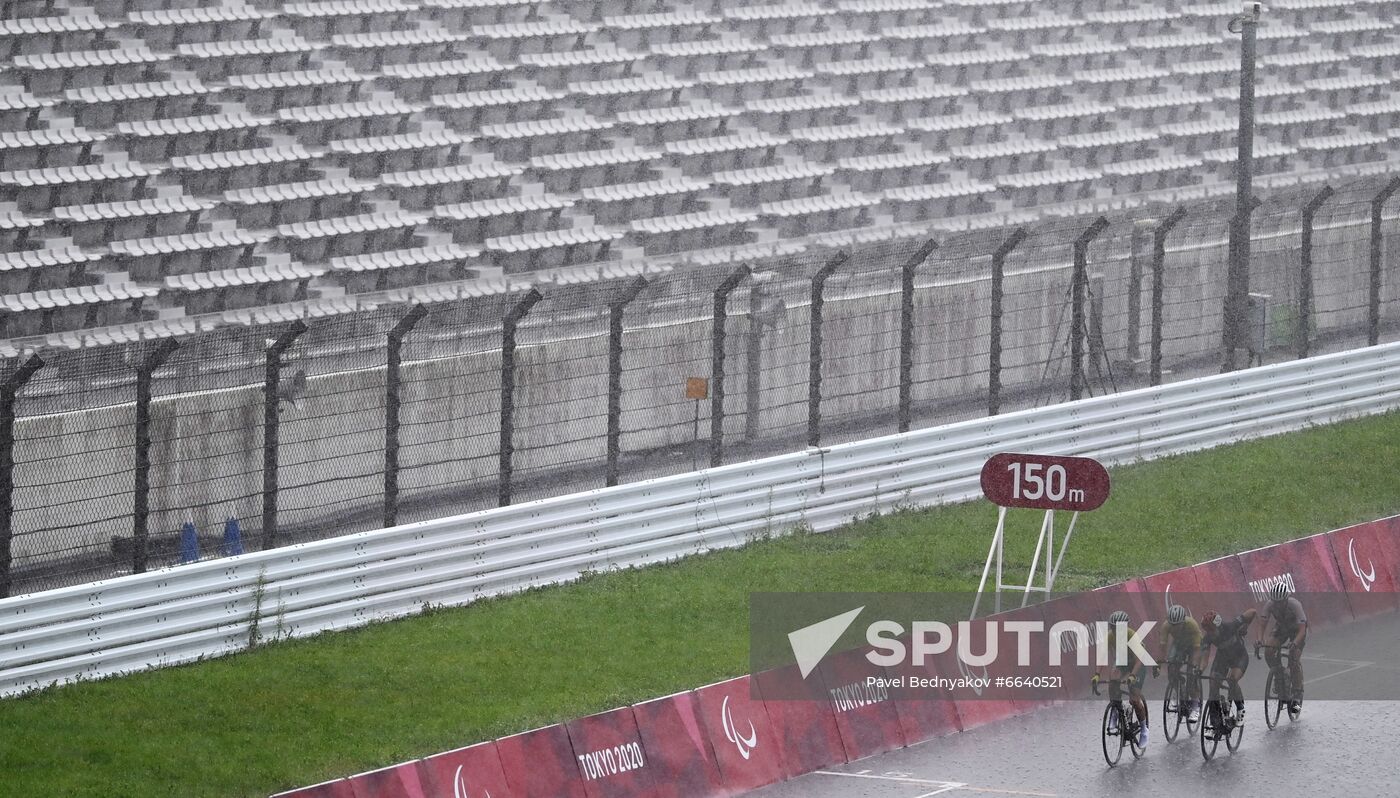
[(1337, 747)]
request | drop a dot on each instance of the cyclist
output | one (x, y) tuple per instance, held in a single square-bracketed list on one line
[(1134, 670), (1231, 657), (1181, 640), (1285, 623)]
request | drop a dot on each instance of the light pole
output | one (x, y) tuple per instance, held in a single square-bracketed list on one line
[(1235, 327)]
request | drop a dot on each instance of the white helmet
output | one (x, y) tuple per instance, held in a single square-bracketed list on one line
[(1118, 616), (1176, 614), (1279, 592)]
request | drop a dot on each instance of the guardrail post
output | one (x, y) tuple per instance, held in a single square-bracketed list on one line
[(615, 311), (1305, 277), (392, 384), (272, 425), (717, 336), (814, 349), (1159, 266), (1080, 285), (508, 328), (906, 332), (141, 491), (8, 391), (1373, 315), (994, 348)]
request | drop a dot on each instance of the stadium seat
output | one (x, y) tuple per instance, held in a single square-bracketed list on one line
[(473, 222), (94, 225), (149, 259), (242, 287), (380, 271), (80, 307), (217, 172), (528, 252), (437, 185), (26, 271)]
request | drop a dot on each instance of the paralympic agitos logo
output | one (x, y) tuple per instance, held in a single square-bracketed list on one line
[(1367, 577)]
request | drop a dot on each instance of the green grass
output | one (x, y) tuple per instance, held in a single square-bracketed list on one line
[(298, 712)]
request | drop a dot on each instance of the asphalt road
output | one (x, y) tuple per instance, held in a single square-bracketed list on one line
[(1338, 747)]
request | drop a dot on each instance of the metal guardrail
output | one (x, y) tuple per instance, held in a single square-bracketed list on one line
[(206, 609)]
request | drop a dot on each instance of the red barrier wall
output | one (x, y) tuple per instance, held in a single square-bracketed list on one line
[(1368, 562), (924, 713), (1223, 576), (1082, 607), (340, 788), (1176, 587), (976, 706), (611, 760), (673, 736), (1308, 567), (865, 715), (471, 772), (398, 781), (540, 764), (806, 729), (745, 744)]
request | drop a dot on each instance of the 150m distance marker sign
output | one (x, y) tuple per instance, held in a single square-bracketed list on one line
[(1044, 482)]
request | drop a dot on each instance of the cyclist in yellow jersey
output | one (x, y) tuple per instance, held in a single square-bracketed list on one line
[(1181, 641), (1134, 670)]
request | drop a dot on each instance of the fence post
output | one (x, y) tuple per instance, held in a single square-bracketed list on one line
[(508, 327), (615, 311), (8, 391), (272, 425), (994, 346), (717, 336), (1159, 264), (814, 349), (1373, 316), (141, 492), (1305, 279), (1079, 285), (906, 332), (392, 402)]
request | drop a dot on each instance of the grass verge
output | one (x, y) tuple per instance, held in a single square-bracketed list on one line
[(297, 712)]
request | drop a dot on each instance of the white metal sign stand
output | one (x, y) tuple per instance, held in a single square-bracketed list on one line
[(1046, 541)]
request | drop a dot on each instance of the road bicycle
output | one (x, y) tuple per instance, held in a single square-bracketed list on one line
[(1218, 720), (1278, 688), (1120, 723), (1176, 707)]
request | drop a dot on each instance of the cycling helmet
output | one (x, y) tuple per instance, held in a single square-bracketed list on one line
[(1212, 619), (1176, 614), (1118, 616), (1279, 592)]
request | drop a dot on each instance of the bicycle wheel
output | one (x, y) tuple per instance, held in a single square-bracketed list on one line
[(1273, 702), (1172, 706), (1133, 735), (1210, 725), (1112, 740), (1234, 735)]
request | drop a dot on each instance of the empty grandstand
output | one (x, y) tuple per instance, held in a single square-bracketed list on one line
[(325, 267), (184, 157)]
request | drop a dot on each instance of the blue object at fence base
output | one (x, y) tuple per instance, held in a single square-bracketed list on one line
[(233, 538), (189, 543)]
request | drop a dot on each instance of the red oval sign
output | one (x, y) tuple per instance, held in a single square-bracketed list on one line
[(1045, 482)]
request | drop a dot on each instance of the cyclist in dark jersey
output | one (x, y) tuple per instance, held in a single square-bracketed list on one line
[(1231, 656), (1285, 623)]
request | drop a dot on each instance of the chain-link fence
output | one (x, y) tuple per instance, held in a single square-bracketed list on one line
[(136, 456)]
